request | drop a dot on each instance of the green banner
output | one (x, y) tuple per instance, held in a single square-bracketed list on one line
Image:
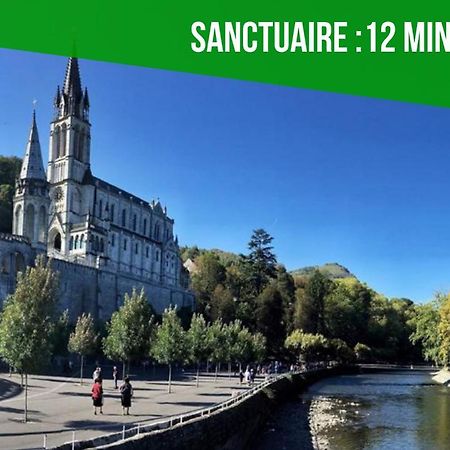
[(393, 50)]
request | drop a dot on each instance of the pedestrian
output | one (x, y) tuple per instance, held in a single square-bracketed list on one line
[(252, 376), (114, 375), (97, 374), (97, 395), (241, 376), (247, 375), (126, 392)]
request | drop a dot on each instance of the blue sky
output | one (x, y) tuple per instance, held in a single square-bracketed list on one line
[(333, 178)]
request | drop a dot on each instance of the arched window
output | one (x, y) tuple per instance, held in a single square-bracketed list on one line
[(146, 252), (136, 250), (18, 220), (124, 217), (71, 243), (144, 230), (125, 245), (157, 231), (82, 242), (56, 143), (100, 209), (42, 224), (76, 243), (97, 244), (102, 245), (76, 142), (113, 240), (134, 222), (62, 144), (29, 222), (111, 213), (57, 242)]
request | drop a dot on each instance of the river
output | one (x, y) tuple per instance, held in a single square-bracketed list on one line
[(388, 410)]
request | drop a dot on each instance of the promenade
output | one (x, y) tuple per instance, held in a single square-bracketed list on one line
[(58, 406)]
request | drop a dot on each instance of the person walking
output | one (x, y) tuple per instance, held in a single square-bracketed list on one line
[(126, 392), (97, 395), (97, 375), (114, 375)]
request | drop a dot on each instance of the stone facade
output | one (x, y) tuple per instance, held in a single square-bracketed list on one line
[(103, 240)]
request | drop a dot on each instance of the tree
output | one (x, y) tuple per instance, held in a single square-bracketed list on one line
[(222, 304), (269, 316), (261, 261), (210, 273), (83, 339), (60, 335), (310, 304), (286, 287), (27, 321), (197, 342), (217, 344), (168, 346), (363, 352), (307, 346), (130, 329), (9, 171), (259, 347), (425, 330)]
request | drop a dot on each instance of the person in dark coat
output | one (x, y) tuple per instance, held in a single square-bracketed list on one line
[(126, 392), (97, 395)]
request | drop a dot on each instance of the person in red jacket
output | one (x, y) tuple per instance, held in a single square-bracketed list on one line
[(97, 395)]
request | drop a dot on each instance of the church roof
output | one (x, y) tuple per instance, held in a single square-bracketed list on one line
[(32, 167), (91, 179)]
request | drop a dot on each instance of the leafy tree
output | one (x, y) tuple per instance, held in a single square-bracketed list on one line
[(9, 171), (310, 304), (246, 347), (259, 347), (307, 346), (130, 329), (425, 330), (222, 304), (217, 343), (209, 274), (261, 261), (197, 342), (444, 331), (61, 333), (286, 287), (363, 352), (27, 321), (269, 316), (168, 346), (83, 340)]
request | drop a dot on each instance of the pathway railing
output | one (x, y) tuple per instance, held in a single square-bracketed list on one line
[(169, 421)]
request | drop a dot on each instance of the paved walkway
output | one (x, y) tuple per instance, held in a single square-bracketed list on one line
[(58, 405)]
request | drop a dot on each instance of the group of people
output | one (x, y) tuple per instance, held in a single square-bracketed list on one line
[(248, 376), (126, 391)]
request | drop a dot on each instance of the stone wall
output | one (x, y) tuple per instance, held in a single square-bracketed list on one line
[(229, 429), (98, 291)]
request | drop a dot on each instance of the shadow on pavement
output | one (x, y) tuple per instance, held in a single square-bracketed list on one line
[(9, 389)]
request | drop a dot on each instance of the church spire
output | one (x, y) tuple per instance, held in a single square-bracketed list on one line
[(32, 167), (71, 101), (72, 81)]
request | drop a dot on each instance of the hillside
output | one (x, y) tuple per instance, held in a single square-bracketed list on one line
[(331, 270)]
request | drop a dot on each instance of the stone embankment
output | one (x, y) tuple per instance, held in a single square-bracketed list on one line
[(226, 426)]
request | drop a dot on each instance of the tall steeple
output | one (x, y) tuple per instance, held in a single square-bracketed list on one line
[(31, 198), (71, 100), (32, 167)]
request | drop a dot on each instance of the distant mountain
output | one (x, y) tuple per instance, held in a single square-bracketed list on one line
[(331, 270)]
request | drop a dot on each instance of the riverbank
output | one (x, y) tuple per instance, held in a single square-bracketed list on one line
[(230, 426), (371, 409)]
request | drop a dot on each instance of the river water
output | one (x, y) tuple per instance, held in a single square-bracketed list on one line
[(389, 410)]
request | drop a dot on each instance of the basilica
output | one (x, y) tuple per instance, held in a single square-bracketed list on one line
[(103, 240)]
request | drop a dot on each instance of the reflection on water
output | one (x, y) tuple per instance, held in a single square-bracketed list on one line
[(392, 410)]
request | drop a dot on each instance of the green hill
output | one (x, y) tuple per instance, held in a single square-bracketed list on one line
[(331, 270)]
